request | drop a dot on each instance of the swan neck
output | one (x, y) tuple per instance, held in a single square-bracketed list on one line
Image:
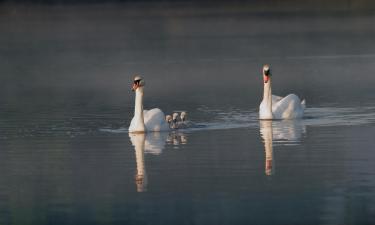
[(267, 93), (138, 109), (267, 96)]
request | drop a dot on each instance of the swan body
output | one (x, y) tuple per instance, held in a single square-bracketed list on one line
[(145, 120), (276, 107), (154, 120)]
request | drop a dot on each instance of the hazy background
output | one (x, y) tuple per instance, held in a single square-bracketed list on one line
[(52, 53), (66, 69)]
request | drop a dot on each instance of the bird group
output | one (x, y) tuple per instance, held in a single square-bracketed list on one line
[(272, 107), (177, 121)]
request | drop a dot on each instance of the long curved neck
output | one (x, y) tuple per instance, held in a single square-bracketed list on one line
[(138, 108), (267, 97)]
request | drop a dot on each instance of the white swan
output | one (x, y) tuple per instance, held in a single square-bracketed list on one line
[(276, 107), (145, 120)]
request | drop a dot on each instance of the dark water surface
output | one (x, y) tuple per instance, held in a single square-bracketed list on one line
[(65, 105)]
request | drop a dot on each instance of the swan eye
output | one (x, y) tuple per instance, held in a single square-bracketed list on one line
[(267, 72), (139, 82)]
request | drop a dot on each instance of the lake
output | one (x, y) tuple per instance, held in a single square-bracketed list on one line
[(65, 154)]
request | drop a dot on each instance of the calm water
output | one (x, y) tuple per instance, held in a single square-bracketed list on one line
[(66, 156)]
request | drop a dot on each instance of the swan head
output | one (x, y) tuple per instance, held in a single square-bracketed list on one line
[(183, 116), (138, 82), (266, 73)]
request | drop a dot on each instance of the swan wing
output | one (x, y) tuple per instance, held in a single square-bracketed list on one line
[(155, 120), (276, 98), (289, 107)]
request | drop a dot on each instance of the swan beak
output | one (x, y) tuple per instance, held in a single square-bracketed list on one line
[(135, 86), (266, 78)]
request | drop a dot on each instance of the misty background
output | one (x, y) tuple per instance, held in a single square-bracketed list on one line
[(66, 69), (65, 57)]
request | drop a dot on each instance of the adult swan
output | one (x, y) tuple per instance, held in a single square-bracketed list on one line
[(276, 107), (145, 120)]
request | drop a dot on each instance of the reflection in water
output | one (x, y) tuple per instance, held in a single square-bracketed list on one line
[(287, 131), (155, 142), (266, 133), (176, 139), (151, 143), (138, 141), (284, 131)]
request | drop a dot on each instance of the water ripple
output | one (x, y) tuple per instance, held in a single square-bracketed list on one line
[(203, 119)]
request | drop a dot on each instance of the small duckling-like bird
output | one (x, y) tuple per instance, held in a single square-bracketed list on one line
[(168, 118), (184, 123), (183, 116), (175, 121)]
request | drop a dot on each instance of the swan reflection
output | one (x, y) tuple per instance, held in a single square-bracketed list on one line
[(151, 143), (138, 141), (286, 132)]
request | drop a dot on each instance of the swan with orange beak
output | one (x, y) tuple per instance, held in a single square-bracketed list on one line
[(145, 120), (276, 107)]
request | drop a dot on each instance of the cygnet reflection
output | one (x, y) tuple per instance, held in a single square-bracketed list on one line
[(150, 143), (284, 132), (176, 139)]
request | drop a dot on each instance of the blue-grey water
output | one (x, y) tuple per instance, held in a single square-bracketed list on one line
[(65, 104)]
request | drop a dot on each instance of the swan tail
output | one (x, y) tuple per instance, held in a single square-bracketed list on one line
[(303, 103)]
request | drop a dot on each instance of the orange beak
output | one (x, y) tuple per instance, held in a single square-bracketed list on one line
[(266, 78), (135, 86)]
